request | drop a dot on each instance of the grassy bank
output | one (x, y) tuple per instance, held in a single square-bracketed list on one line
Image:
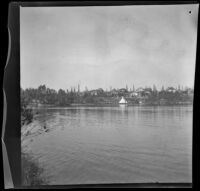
[(31, 172)]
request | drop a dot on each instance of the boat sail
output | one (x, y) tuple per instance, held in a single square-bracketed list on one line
[(123, 101)]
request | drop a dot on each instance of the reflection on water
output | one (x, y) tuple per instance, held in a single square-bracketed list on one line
[(115, 144)]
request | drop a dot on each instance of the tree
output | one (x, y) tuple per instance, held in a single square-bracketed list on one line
[(42, 88), (154, 88), (133, 88), (62, 97), (26, 113), (126, 87)]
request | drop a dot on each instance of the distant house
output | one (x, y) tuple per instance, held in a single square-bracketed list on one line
[(143, 92), (171, 89), (96, 92), (93, 92), (133, 94), (140, 89), (162, 101), (122, 90)]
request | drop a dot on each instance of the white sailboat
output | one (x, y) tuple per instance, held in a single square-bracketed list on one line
[(123, 101)]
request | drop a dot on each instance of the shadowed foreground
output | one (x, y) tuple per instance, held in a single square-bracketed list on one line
[(31, 172)]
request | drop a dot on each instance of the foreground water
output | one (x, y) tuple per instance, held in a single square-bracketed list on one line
[(114, 144)]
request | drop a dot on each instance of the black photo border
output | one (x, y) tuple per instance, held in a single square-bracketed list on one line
[(11, 131)]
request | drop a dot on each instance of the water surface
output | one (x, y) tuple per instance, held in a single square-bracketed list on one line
[(86, 145)]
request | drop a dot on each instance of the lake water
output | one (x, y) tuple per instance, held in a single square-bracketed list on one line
[(86, 145)]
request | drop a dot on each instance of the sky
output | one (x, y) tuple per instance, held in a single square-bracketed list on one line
[(108, 46)]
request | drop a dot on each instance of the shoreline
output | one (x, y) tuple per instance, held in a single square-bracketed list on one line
[(107, 105)]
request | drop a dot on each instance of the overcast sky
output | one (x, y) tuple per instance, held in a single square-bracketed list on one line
[(108, 46)]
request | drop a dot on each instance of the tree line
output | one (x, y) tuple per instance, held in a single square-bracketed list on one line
[(45, 95)]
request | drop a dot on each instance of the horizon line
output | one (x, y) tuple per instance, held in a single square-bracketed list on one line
[(181, 87)]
